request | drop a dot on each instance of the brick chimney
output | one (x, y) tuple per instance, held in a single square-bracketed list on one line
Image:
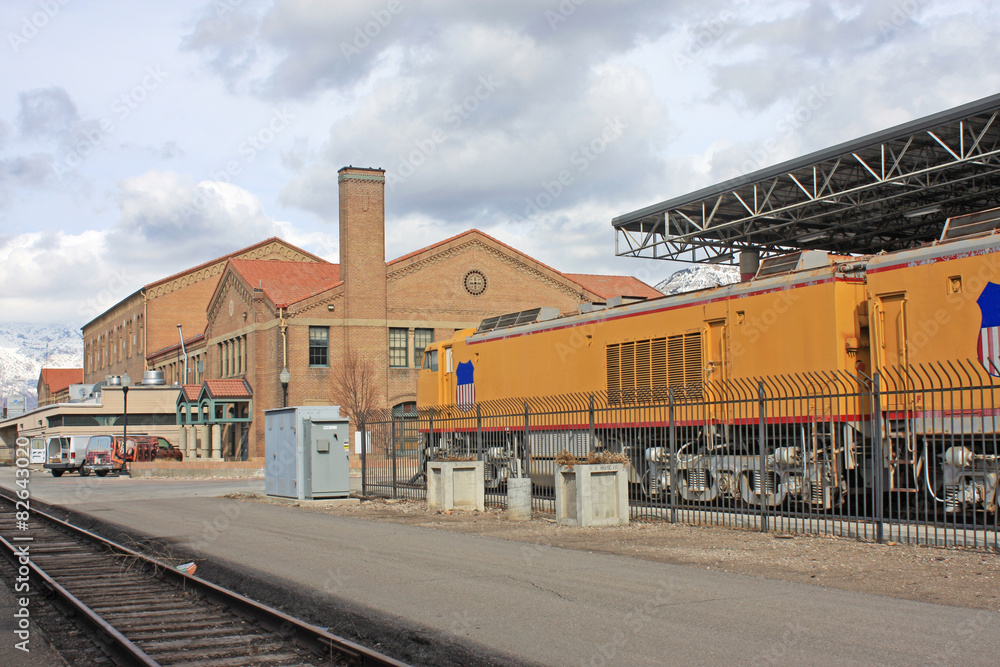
[(362, 242)]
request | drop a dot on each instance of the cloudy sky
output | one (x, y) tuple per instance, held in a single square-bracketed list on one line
[(141, 138)]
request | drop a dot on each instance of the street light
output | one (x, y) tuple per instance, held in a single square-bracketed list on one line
[(284, 377), (125, 425)]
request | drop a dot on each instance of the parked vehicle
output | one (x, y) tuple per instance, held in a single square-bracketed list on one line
[(66, 454), (99, 459), (143, 448)]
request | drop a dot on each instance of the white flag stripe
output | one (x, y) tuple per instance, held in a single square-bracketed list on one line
[(989, 343), (466, 396), (994, 348)]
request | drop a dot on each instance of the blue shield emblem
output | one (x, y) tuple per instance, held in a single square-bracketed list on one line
[(988, 348), (465, 392)]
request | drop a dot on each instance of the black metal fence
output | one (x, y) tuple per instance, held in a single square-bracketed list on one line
[(906, 455)]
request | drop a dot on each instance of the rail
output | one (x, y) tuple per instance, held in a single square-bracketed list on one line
[(231, 606)]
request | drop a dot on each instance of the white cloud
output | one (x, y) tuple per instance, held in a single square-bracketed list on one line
[(47, 112), (171, 216), (702, 91), (166, 223)]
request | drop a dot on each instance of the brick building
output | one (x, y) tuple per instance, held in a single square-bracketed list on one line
[(54, 383), (123, 339), (274, 307)]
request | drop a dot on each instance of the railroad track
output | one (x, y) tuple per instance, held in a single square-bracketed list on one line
[(142, 611)]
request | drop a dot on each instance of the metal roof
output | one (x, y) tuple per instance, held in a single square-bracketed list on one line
[(890, 190)]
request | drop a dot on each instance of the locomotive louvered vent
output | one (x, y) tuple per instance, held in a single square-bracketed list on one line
[(774, 266), (972, 224), (644, 371), (515, 319)]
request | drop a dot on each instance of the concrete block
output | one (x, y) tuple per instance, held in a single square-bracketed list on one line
[(592, 495), (519, 499), (456, 485)]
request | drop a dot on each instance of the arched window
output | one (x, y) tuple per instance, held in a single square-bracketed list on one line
[(410, 431)]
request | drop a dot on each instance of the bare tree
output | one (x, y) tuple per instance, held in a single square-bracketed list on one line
[(354, 386)]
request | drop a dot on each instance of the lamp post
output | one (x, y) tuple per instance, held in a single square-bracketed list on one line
[(284, 377), (124, 424)]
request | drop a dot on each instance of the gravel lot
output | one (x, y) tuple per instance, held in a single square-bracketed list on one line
[(956, 577)]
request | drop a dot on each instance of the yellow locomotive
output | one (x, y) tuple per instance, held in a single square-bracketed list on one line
[(822, 376)]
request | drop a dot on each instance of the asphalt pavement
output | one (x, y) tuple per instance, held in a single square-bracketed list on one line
[(536, 603)]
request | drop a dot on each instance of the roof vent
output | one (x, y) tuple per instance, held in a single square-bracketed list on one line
[(153, 378), (802, 260), (517, 319), (971, 224)]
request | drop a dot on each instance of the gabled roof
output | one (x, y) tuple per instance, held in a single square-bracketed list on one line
[(602, 286), (191, 392), (236, 253), (228, 388), (57, 379), (471, 232), (194, 269), (285, 283), (611, 286)]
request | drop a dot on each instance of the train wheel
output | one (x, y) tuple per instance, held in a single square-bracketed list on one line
[(698, 484), (752, 492)]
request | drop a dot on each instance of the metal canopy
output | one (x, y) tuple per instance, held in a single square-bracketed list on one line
[(889, 190)]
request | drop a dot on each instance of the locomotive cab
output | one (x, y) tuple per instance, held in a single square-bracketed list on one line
[(436, 384)]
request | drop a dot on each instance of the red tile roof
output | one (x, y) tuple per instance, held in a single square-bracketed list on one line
[(231, 255), (191, 392), (612, 286), (285, 283), (58, 379), (228, 388)]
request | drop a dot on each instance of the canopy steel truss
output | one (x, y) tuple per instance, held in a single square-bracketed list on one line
[(887, 191)]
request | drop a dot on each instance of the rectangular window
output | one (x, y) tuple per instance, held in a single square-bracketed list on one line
[(421, 339), (431, 360), (319, 346), (397, 348)]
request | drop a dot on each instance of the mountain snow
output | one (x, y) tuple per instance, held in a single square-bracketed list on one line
[(699, 276), (25, 348)]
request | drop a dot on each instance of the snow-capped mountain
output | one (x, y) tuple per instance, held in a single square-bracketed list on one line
[(698, 277), (25, 348)]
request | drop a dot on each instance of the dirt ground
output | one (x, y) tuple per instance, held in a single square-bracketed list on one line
[(957, 577)]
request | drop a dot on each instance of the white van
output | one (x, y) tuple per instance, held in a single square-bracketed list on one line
[(66, 454)]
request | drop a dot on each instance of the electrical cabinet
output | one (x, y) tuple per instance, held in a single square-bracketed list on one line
[(306, 450)]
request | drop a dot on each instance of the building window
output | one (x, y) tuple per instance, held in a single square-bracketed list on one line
[(421, 339), (406, 417), (319, 346), (397, 348)]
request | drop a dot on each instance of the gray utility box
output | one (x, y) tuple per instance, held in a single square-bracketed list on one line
[(306, 450)]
